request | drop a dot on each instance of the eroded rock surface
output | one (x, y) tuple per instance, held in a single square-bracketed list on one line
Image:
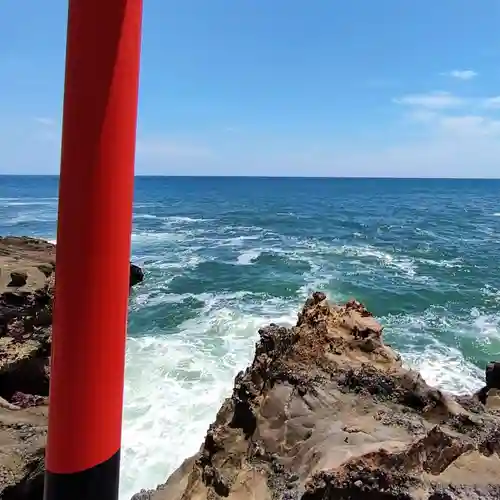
[(22, 447), (326, 411)]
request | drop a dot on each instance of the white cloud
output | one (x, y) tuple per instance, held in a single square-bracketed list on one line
[(437, 99), (492, 102), (470, 126), (469, 123), (462, 74)]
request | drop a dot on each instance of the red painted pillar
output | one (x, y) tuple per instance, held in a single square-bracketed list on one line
[(93, 249)]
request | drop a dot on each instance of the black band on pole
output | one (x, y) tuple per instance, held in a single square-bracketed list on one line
[(97, 483)]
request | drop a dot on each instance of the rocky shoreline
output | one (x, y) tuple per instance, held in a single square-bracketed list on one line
[(27, 272), (325, 411)]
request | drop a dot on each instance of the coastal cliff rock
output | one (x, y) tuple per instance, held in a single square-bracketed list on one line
[(27, 276), (327, 411)]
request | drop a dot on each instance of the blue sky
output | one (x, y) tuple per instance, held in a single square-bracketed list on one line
[(281, 87)]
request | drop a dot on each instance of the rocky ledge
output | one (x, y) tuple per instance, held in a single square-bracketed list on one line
[(27, 272), (327, 411)]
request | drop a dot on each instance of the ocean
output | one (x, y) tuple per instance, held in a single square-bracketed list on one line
[(224, 256)]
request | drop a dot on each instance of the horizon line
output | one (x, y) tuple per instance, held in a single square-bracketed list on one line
[(312, 177)]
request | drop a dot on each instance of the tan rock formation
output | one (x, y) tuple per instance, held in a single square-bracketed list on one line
[(326, 411)]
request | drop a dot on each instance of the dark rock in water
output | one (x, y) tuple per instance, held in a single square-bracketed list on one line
[(493, 375), (326, 411), (492, 381), (27, 278), (18, 278), (136, 275)]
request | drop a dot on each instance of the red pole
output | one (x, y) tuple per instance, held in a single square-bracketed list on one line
[(93, 249)]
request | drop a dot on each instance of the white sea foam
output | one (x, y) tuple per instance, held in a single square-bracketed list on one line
[(402, 264), (30, 216), (13, 201), (248, 257), (446, 368), (30, 203), (175, 384), (237, 241), (184, 220), (451, 263), (146, 216), (439, 363), (148, 237), (485, 327), (491, 293)]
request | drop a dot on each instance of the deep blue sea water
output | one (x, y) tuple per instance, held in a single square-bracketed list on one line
[(224, 256)]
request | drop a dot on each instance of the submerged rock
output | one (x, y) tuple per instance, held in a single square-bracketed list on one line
[(493, 375), (136, 275), (492, 382), (327, 411), (27, 278)]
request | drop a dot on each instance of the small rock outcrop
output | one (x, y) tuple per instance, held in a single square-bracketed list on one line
[(18, 279), (136, 275), (27, 278), (326, 411)]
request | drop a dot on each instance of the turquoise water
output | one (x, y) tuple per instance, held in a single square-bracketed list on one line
[(225, 255)]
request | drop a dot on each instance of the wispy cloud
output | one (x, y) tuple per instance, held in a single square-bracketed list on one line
[(492, 102), (461, 74), (437, 99), (443, 112), (43, 120), (423, 105), (470, 125)]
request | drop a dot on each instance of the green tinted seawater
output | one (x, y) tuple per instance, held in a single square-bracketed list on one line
[(224, 256)]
